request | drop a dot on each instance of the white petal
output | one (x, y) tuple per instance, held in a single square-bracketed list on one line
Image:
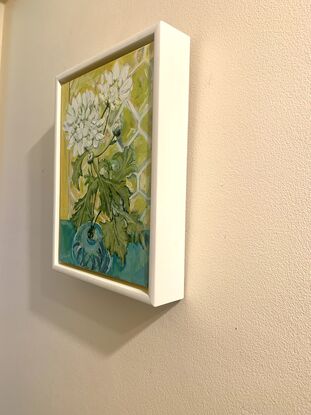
[(70, 111), (116, 71), (109, 78), (66, 127), (126, 86), (70, 119), (99, 136), (92, 115), (80, 146), (124, 96), (74, 104), (87, 143), (85, 131), (113, 93), (100, 123), (79, 100), (71, 140), (79, 134), (125, 72), (75, 151)]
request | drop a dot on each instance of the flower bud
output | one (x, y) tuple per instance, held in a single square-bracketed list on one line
[(90, 157), (116, 129)]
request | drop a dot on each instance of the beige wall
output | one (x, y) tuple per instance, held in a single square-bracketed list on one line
[(240, 342)]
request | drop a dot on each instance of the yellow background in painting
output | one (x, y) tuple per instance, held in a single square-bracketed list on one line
[(136, 131)]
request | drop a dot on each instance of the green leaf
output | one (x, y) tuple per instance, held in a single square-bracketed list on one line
[(116, 237), (83, 208), (122, 164), (88, 179), (77, 170), (104, 168), (135, 229), (115, 194), (105, 197), (121, 195)]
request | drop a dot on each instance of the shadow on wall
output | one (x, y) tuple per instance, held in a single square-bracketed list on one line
[(101, 318)]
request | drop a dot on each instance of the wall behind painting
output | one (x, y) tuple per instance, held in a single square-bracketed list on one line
[(240, 341)]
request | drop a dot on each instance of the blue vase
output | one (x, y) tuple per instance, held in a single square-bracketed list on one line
[(88, 250)]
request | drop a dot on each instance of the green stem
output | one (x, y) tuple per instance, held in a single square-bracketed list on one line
[(94, 221), (112, 141), (94, 202), (107, 108), (94, 169), (104, 112)]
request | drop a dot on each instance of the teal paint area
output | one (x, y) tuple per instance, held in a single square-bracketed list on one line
[(75, 250)]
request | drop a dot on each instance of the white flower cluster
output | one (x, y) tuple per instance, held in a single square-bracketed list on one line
[(85, 122), (115, 86), (83, 125)]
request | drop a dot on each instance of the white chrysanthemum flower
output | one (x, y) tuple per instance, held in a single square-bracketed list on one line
[(83, 125), (115, 86)]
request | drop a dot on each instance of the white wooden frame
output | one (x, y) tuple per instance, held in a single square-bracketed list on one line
[(168, 182)]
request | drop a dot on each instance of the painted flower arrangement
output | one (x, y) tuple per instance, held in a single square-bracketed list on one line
[(104, 222)]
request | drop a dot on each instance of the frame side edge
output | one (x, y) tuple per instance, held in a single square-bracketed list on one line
[(170, 169)]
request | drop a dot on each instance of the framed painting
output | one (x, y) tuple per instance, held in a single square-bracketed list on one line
[(120, 167)]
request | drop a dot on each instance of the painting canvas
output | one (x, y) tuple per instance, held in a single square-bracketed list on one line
[(105, 169)]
